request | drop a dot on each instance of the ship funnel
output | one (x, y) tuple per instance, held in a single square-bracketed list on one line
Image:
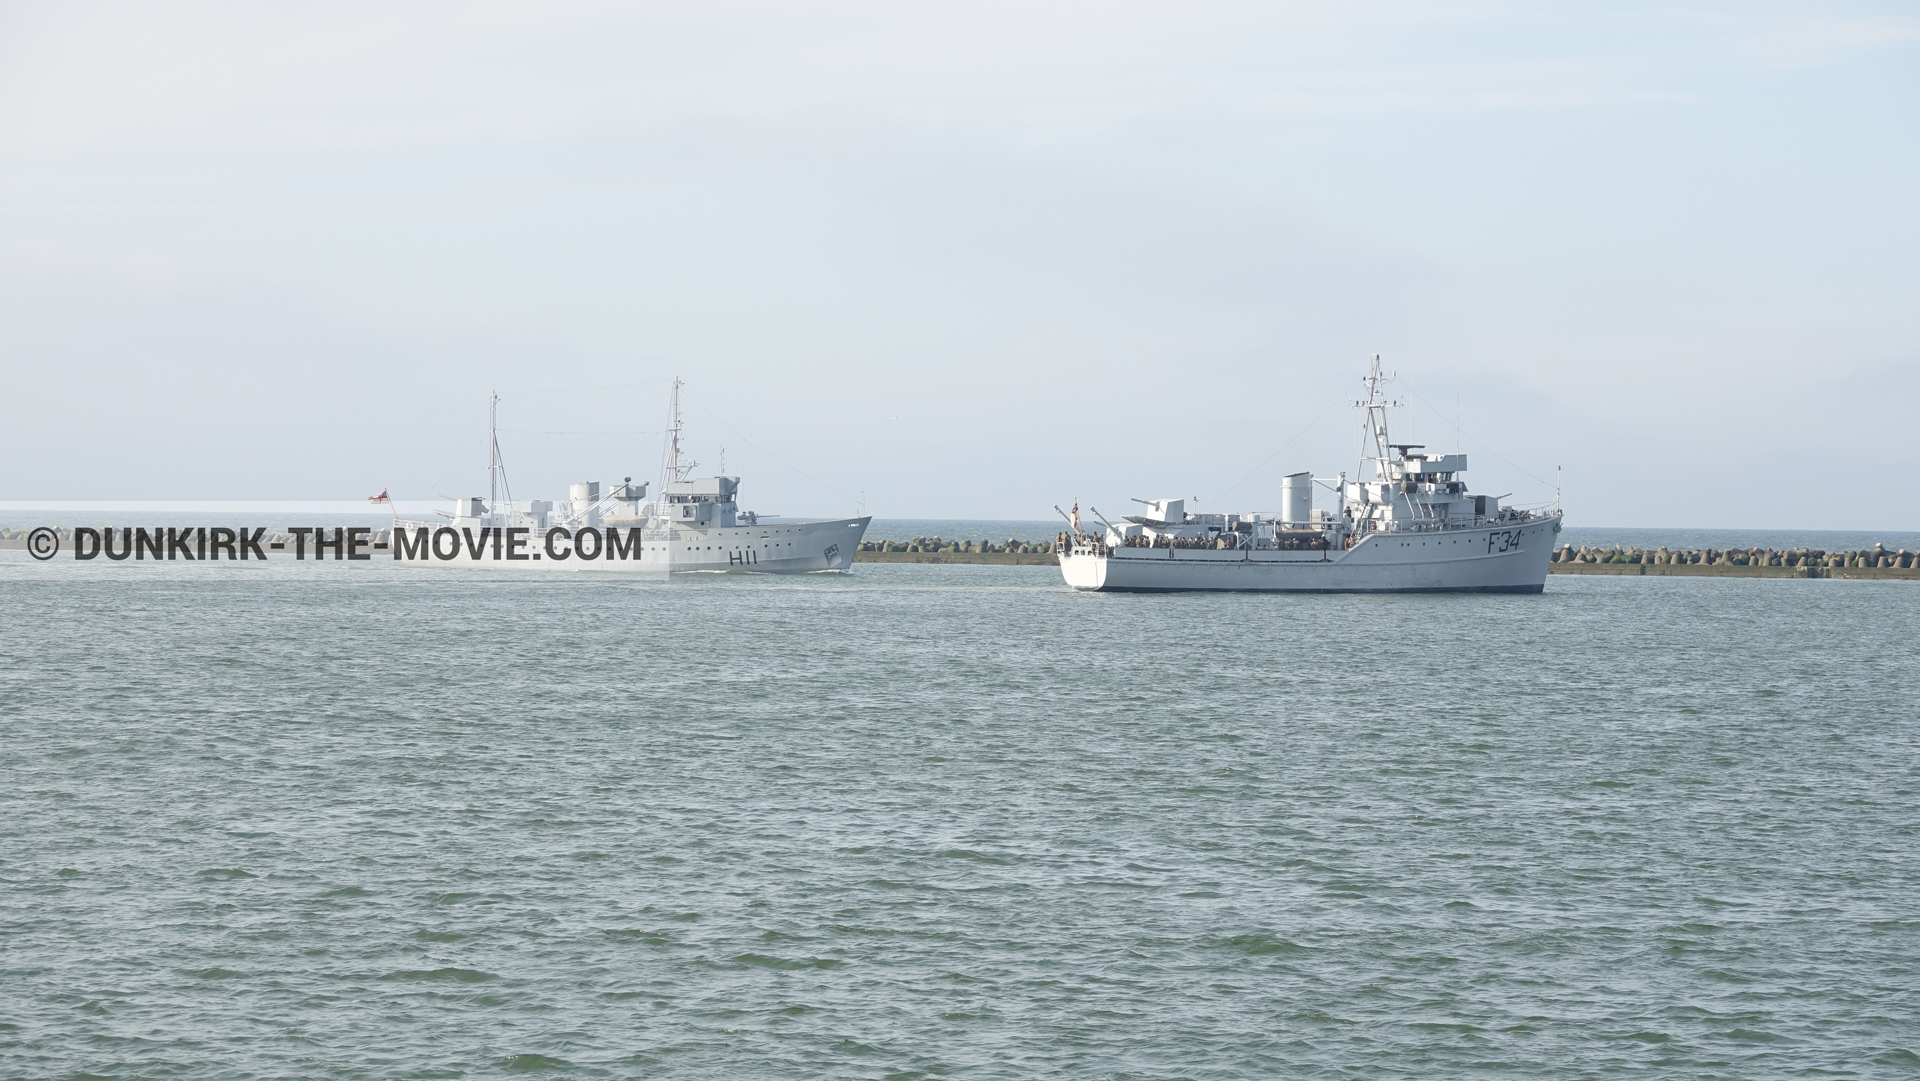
[(1296, 501), (583, 496)]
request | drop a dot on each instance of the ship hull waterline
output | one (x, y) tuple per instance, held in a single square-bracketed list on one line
[(809, 548), (1509, 557)]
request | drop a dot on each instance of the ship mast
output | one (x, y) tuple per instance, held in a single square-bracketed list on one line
[(671, 469), (1376, 406), (496, 469)]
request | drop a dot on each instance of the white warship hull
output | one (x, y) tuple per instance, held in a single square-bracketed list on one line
[(765, 549), (793, 548), (1508, 557)]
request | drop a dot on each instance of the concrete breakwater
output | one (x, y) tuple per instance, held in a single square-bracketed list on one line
[(1875, 562), (1011, 552)]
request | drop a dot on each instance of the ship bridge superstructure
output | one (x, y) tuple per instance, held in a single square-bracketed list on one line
[(696, 524), (686, 500), (1404, 486)]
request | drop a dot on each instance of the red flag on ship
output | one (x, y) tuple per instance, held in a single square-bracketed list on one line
[(381, 498), (1075, 516)]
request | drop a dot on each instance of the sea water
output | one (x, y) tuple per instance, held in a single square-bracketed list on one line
[(369, 821)]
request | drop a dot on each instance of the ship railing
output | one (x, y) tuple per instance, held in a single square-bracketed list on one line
[(1364, 526)]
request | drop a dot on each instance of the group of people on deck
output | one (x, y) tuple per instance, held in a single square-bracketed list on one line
[(1225, 540)]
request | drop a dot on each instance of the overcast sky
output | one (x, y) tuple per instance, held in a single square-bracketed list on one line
[(965, 260)]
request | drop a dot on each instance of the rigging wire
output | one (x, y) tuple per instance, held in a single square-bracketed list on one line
[(1458, 431), (447, 464), (768, 453), (538, 431), (583, 390), (1270, 457)]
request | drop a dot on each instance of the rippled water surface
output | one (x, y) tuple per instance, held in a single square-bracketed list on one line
[(923, 821)]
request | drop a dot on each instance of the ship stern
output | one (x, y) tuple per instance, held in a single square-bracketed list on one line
[(1083, 570)]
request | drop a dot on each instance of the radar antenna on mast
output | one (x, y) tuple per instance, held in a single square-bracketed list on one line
[(1375, 425), (671, 469)]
